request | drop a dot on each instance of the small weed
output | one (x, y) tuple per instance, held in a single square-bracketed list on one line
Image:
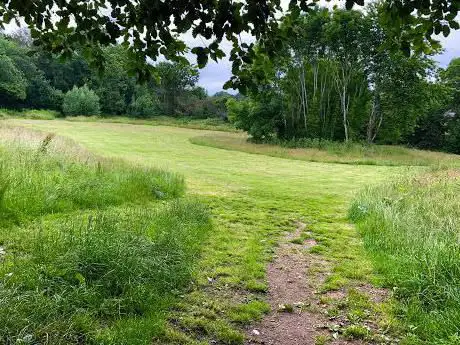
[(298, 240), (246, 313), (357, 332), (322, 339), (286, 308)]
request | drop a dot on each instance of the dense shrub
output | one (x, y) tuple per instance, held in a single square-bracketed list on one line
[(81, 101), (452, 136), (199, 108), (261, 117), (144, 106)]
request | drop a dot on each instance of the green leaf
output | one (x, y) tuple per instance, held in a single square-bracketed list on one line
[(446, 30)]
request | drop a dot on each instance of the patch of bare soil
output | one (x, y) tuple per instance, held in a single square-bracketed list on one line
[(294, 319)]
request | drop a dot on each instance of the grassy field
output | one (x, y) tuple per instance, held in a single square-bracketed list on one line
[(215, 124), (254, 200), (331, 152), (91, 250)]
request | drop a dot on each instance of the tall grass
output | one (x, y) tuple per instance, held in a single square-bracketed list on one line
[(412, 229), (87, 252), (34, 114), (35, 182), (330, 151), (71, 280)]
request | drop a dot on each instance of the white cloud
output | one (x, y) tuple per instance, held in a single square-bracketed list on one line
[(451, 46)]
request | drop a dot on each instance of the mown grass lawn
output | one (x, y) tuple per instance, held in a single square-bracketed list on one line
[(254, 200)]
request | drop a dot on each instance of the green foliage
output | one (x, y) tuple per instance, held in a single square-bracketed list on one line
[(81, 101), (452, 135), (338, 78), (23, 83), (144, 106), (260, 117), (174, 79), (31, 78), (63, 75), (439, 128), (114, 87), (412, 25), (410, 228), (12, 81)]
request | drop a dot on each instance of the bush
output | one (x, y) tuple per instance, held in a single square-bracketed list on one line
[(452, 136), (144, 106), (200, 108), (261, 117), (81, 101)]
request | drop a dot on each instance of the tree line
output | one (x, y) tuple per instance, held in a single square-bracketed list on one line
[(33, 78), (341, 76)]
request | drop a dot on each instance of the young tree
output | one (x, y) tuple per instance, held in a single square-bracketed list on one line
[(451, 76), (345, 35), (174, 80), (81, 101), (114, 87), (13, 84), (23, 84)]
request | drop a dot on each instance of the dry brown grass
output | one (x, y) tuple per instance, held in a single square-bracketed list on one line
[(357, 154), (35, 139)]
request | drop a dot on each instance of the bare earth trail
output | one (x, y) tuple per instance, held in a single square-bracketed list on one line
[(280, 230), (288, 286)]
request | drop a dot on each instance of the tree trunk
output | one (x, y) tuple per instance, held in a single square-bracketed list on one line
[(375, 118), (342, 80), (345, 104), (304, 96)]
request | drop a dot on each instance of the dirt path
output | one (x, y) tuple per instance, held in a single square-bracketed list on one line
[(294, 319)]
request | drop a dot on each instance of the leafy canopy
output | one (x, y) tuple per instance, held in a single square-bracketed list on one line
[(153, 27)]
